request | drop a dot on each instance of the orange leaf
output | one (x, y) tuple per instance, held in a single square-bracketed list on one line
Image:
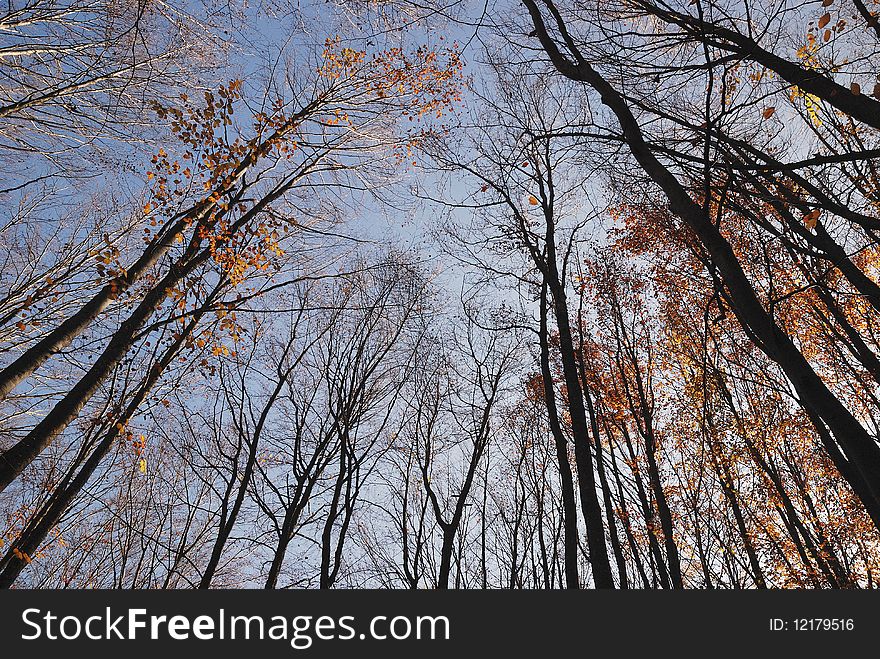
[(768, 112), (826, 18), (533, 201)]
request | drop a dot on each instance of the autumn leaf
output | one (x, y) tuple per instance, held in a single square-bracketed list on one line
[(768, 112), (811, 218), (142, 465), (826, 18), (20, 555), (533, 200), (855, 88)]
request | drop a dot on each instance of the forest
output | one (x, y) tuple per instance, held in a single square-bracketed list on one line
[(499, 294)]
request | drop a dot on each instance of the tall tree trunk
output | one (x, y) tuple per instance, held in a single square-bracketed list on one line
[(569, 506), (592, 510)]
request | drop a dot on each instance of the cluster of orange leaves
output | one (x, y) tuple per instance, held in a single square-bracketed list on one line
[(427, 82), (15, 523), (429, 79), (137, 444)]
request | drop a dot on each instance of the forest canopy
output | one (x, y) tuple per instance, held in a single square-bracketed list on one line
[(523, 294)]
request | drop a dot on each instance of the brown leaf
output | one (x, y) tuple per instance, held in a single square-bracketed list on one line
[(768, 112), (855, 88), (826, 18), (811, 218), (532, 200), (877, 90)]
